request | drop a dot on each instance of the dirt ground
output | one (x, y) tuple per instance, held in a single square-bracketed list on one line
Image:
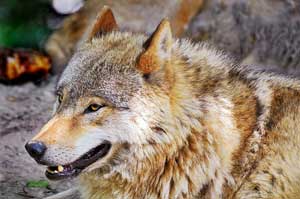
[(23, 110)]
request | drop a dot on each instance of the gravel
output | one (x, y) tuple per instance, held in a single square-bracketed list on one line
[(24, 109)]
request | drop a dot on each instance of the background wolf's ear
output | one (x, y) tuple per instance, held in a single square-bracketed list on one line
[(105, 22), (157, 51)]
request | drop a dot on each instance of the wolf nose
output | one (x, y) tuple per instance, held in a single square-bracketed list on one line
[(36, 149)]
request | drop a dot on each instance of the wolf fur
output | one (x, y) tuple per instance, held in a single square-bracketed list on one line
[(184, 120)]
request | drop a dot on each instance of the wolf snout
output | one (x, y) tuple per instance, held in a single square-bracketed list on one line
[(36, 149)]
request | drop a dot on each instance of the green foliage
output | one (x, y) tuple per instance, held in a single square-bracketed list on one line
[(37, 184), (23, 23)]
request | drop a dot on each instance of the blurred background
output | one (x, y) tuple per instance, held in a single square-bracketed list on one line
[(38, 37), (24, 24), (28, 24)]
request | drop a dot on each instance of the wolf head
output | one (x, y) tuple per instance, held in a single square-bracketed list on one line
[(112, 102)]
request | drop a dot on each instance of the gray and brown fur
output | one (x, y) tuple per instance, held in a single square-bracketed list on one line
[(185, 121)]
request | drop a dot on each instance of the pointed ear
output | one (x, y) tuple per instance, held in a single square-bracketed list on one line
[(105, 22), (157, 49)]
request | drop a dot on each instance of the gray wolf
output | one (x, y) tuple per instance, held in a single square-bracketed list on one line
[(159, 117)]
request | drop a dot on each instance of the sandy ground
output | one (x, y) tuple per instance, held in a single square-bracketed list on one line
[(23, 110)]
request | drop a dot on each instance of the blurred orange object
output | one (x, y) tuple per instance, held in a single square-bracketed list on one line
[(17, 63)]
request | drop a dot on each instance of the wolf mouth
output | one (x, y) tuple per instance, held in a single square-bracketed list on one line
[(73, 169)]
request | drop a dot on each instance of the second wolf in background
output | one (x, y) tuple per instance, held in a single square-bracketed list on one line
[(133, 15)]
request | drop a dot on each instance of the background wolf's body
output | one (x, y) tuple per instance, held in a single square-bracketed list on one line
[(264, 34), (133, 15), (184, 120)]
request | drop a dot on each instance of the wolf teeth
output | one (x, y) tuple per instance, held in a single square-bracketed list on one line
[(50, 171), (60, 168)]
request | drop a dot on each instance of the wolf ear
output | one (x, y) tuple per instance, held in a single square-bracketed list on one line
[(157, 51), (105, 22)]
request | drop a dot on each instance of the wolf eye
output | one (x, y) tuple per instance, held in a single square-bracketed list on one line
[(60, 98), (93, 108)]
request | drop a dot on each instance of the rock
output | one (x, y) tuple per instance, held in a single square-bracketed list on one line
[(262, 34), (2, 177)]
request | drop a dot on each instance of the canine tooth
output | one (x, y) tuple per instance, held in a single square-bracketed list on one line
[(50, 171), (55, 171), (60, 168)]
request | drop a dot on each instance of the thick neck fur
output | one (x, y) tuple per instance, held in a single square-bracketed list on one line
[(211, 107)]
